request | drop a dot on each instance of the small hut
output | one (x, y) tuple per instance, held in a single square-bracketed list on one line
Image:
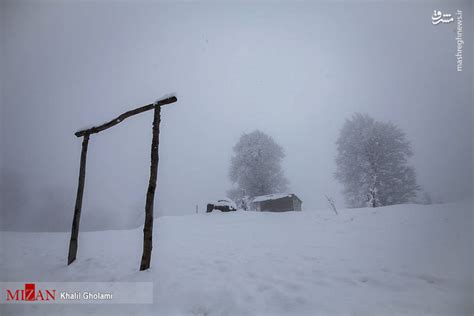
[(281, 202)]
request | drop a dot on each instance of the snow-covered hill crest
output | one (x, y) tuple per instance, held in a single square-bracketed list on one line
[(405, 259)]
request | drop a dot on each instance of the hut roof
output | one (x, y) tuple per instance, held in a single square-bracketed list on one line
[(275, 196)]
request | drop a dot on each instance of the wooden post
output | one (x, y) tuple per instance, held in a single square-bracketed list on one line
[(78, 207), (148, 228), (150, 196)]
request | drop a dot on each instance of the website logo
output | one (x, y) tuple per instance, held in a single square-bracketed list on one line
[(30, 294), (439, 17)]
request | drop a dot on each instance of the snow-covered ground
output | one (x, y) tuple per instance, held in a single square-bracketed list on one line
[(397, 260)]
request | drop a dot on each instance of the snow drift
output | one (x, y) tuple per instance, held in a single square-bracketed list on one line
[(397, 260)]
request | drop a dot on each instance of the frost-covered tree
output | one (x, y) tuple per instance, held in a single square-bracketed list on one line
[(372, 163), (255, 168)]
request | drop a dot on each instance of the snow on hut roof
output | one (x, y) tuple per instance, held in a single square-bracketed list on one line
[(275, 196)]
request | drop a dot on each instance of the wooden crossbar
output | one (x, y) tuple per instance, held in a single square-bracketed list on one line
[(121, 117)]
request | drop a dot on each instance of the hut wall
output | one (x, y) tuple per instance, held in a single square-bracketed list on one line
[(296, 204), (280, 205)]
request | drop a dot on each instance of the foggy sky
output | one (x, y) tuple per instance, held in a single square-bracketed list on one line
[(293, 70)]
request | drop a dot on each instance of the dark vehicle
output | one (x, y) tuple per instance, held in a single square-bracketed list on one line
[(221, 205)]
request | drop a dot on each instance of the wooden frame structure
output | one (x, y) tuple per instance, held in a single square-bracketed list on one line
[(148, 227)]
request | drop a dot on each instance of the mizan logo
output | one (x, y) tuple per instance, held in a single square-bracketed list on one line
[(29, 293), (439, 17)]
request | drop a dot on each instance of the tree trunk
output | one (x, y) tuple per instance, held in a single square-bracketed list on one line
[(148, 228), (78, 207)]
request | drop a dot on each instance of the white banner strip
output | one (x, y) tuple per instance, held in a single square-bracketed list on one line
[(76, 293)]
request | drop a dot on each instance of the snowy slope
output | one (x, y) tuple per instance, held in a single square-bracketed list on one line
[(397, 260)]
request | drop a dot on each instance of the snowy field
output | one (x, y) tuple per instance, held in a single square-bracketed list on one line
[(397, 260)]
